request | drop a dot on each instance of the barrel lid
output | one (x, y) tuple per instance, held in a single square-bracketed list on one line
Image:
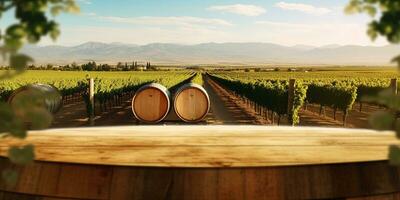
[(191, 86), (163, 90)]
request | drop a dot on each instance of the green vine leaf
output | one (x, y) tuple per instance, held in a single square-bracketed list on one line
[(381, 120), (21, 155), (20, 61), (394, 155)]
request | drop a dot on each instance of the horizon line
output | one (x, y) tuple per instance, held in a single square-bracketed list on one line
[(194, 44)]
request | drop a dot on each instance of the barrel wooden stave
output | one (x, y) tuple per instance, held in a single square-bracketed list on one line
[(351, 180), (191, 102), (151, 103), (51, 97)]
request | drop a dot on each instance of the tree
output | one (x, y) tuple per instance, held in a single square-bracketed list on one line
[(106, 67), (90, 66), (31, 23), (126, 67), (385, 22)]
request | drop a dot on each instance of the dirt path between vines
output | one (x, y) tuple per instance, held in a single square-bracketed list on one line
[(229, 109)]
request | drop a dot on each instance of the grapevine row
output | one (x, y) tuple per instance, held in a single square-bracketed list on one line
[(272, 95)]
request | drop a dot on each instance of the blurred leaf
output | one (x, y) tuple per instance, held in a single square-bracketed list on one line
[(56, 10), (396, 60), (371, 10), (387, 98), (71, 6), (10, 177), (382, 120), (16, 30), (31, 25), (55, 31), (21, 155), (9, 123), (20, 61), (372, 33), (394, 155), (397, 128)]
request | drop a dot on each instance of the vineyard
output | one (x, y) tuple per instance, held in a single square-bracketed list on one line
[(283, 98)]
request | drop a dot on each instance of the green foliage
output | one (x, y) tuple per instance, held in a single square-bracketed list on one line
[(388, 119), (21, 155), (394, 155), (198, 79), (327, 88), (300, 93), (381, 120), (272, 94), (387, 24), (30, 25), (338, 96), (10, 123)]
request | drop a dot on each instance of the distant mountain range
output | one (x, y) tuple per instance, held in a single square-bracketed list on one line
[(214, 53)]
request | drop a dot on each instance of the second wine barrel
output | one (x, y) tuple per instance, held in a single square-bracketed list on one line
[(151, 103), (44, 95), (191, 102)]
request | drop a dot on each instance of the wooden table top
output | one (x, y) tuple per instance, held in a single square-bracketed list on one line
[(207, 146)]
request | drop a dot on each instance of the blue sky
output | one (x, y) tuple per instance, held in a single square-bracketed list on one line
[(286, 22)]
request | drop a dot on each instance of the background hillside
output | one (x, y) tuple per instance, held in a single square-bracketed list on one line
[(214, 53)]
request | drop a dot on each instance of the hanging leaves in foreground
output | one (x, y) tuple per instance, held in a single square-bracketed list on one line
[(21, 155)]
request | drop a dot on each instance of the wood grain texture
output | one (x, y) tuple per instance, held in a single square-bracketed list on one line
[(366, 180), (207, 146), (150, 105), (205, 162), (191, 104)]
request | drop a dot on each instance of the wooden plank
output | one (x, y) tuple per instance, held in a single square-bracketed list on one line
[(200, 184), (84, 182), (207, 146), (126, 141), (292, 182), (62, 180), (127, 183), (264, 184), (212, 156), (141, 183), (212, 130), (231, 184), (391, 196), (19, 196)]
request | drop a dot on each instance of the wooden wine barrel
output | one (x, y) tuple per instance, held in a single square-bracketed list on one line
[(47, 95), (151, 103), (191, 102), (205, 162)]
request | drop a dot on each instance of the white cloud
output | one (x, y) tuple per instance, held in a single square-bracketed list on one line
[(306, 8), (167, 21), (317, 34), (240, 9), (90, 14), (87, 2), (285, 25)]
